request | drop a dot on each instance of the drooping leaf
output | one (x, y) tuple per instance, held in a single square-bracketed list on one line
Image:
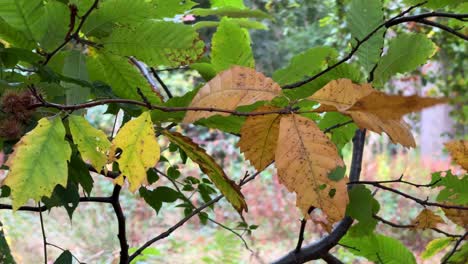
[(31, 174), (229, 12), (379, 249), (405, 53), (92, 143), (123, 78), (231, 46), (363, 17), (170, 8), (454, 190), (435, 246), (372, 109), (139, 150), (68, 197), (304, 158), (64, 258), (427, 219), (111, 12), (235, 87), (362, 207), (207, 164), (259, 135), (5, 253), (459, 151), (157, 43)]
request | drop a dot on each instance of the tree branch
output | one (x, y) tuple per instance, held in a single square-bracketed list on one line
[(124, 258), (44, 208)]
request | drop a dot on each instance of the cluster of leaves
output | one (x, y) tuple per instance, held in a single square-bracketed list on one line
[(64, 56)]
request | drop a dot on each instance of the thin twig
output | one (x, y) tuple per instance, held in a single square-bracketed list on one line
[(337, 126), (400, 180), (454, 249), (160, 81), (443, 27), (44, 239)]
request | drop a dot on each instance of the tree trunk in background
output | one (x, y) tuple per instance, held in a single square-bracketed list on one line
[(436, 128)]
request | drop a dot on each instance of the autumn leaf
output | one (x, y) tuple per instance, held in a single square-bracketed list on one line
[(259, 135), (38, 163), (92, 143), (207, 164), (459, 151), (234, 87), (139, 150), (427, 219), (304, 158), (372, 109), (459, 217)]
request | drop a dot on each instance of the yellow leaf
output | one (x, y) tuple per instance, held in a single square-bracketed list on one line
[(259, 135), (92, 143), (372, 109), (139, 150), (459, 217), (38, 163), (427, 219), (459, 151), (230, 89), (304, 158)]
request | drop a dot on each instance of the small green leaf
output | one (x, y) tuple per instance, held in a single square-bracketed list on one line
[(231, 46), (38, 163), (156, 197), (173, 172), (405, 53), (210, 168), (203, 216), (92, 143), (337, 174), (152, 176), (5, 253), (64, 258), (68, 197), (454, 190), (435, 246), (362, 207)]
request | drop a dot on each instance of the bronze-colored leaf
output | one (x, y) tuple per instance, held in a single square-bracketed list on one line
[(459, 151), (427, 219)]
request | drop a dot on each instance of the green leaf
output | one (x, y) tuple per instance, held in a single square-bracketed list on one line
[(231, 46), (92, 143), (64, 258), (170, 8), (230, 12), (14, 36), (337, 174), (5, 254), (405, 53), (305, 65), (228, 124), (78, 173), (38, 163), (454, 190), (5, 191), (348, 71), (379, 248), (25, 15), (435, 4), (178, 101), (363, 17), (75, 67), (20, 54), (122, 76), (459, 257), (207, 164), (342, 135), (57, 18), (113, 12), (362, 207), (157, 43), (435, 246), (242, 22), (152, 176), (206, 70), (225, 3), (156, 197), (68, 197)]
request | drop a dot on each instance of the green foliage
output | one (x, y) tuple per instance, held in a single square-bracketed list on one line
[(5, 254), (229, 12), (454, 190), (170, 8), (435, 246), (363, 17), (156, 197), (64, 258), (67, 197), (405, 53), (231, 46), (341, 135), (75, 67), (362, 207), (379, 248), (460, 256), (25, 15)]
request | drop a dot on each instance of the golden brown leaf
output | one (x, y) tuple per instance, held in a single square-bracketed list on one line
[(459, 151), (372, 109), (230, 89), (304, 158), (259, 136), (459, 217), (427, 219)]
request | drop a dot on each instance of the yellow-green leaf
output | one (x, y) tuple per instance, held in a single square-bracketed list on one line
[(92, 143), (139, 150), (38, 163), (216, 174)]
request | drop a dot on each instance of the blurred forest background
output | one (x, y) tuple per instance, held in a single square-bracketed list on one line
[(297, 26)]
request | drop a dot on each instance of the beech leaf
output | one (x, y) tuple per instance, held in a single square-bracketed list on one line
[(427, 219), (459, 217), (259, 135), (38, 163), (207, 164), (459, 151), (92, 143), (304, 158), (234, 87), (139, 150)]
